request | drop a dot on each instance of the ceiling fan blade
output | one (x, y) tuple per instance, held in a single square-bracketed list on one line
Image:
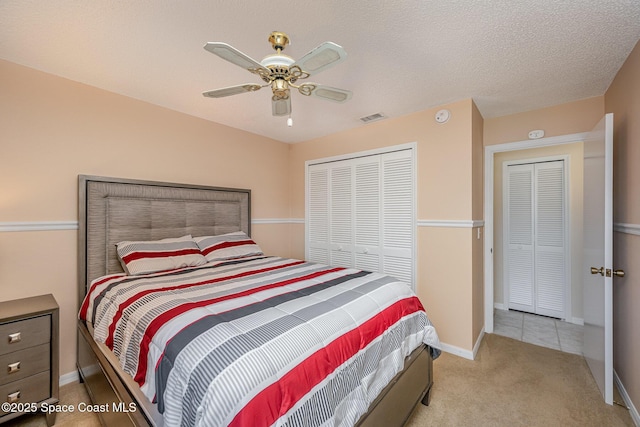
[(234, 56), (322, 57), (231, 90), (325, 92), (281, 107)]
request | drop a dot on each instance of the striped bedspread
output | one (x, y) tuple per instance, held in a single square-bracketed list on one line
[(259, 340)]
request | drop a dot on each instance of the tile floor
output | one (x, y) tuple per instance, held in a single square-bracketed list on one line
[(539, 330)]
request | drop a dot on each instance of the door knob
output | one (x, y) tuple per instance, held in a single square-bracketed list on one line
[(601, 271)]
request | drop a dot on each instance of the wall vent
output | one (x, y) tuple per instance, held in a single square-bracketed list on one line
[(373, 118)]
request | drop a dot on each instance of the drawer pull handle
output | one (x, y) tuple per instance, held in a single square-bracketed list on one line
[(13, 367), (13, 397), (14, 338)]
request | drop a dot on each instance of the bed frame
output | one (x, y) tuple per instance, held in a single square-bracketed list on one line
[(111, 210)]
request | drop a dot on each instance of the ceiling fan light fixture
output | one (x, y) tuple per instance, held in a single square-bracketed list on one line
[(281, 107), (281, 72)]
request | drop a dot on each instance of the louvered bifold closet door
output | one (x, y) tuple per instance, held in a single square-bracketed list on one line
[(341, 219), (318, 214), (398, 215), (361, 213), (519, 249), (550, 272), (368, 218)]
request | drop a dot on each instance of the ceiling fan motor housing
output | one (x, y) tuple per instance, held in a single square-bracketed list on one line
[(278, 40), (278, 66)]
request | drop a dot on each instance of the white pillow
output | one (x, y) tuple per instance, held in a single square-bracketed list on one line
[(159, 255), (227, 246)]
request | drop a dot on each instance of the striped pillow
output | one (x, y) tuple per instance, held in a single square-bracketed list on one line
[(227, 246), (159, 255)]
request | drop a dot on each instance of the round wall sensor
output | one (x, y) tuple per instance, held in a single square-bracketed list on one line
[(442, 116)]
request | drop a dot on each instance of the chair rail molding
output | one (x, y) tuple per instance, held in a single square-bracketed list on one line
[(277, 221), (38, 226), (471, 223)]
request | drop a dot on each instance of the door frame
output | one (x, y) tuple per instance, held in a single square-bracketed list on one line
[(566, 206), (489, 152)]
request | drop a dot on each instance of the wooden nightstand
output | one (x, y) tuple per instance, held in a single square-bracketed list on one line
[(29, 355)]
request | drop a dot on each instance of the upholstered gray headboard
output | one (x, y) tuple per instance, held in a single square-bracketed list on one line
[(111, 210)]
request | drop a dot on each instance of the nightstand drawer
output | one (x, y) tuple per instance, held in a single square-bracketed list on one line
[(21, 364), (25, 333), (32, 389)]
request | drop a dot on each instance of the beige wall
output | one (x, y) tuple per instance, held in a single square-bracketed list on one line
[(477, 161), (564, 119), (447, 171), (575, 164), (623, 100), (53, 129)]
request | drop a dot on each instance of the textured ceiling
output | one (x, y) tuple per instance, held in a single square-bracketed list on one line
[(403, 56)]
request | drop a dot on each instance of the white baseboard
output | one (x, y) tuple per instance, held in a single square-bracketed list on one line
[(467, 354), (477, 345), (69, 378), (577, 321), (635, 416), (452, 349), (574, 320)]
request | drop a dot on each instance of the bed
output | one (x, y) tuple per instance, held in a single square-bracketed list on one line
[(137, 369)]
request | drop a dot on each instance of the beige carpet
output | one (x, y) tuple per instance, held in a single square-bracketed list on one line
[(70, 394), (511, 383)]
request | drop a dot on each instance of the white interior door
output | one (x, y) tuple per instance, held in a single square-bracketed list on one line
[(535, 267), (598, 255)]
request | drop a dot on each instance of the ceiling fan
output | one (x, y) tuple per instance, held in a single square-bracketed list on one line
[(281, 72)]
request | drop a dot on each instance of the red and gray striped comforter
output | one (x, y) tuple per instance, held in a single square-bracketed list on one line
[(259, 340)]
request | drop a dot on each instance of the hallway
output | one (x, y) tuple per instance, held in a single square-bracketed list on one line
[(539, 330)]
